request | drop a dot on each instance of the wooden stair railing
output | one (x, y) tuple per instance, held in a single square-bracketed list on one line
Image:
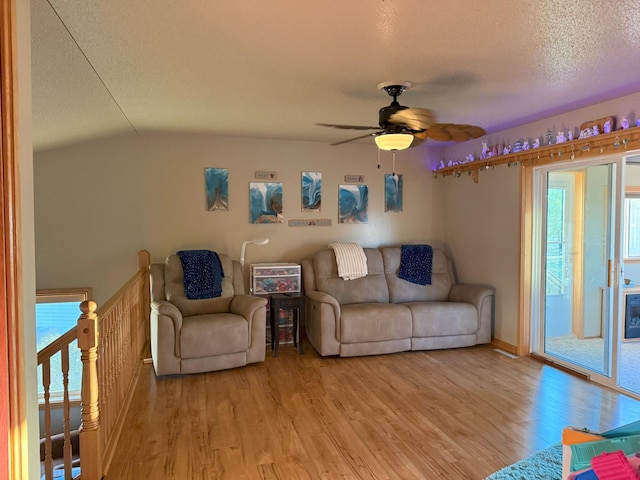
[(113, 341), (60, 345)]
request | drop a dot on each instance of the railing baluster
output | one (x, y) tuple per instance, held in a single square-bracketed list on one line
[(90, 451), (66, 447), (46, 383)]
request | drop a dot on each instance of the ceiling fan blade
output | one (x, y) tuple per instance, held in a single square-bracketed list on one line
[(474, 131), (418, 139), (414, 118), (438, 133), (457, 134), (372, 134), (445, 132), (348, 127), (421, 135)]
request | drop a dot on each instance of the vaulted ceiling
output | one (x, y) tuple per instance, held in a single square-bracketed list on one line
[(275, 68)]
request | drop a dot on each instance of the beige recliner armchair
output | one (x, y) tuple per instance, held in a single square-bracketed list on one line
[(191, 336)]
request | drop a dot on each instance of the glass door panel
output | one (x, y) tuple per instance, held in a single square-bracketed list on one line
[(577, 257), (629, 353)]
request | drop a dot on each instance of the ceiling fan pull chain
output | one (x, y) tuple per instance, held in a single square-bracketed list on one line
[(393, 157), (378, 159)]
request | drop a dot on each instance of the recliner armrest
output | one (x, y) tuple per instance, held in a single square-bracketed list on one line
[(246, 305), (481, 296), (321, 297), (316, 296), (164, 307), (474, 294), (164, 329)]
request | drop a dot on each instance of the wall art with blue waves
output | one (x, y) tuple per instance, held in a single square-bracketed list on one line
[(392, 193), (353, 204), (217, 188), (311, 191), (265, 202)]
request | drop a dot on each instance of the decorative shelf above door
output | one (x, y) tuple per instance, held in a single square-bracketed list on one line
[(604, 144)]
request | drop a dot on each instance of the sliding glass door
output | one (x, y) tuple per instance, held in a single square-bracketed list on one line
[(578, 271)]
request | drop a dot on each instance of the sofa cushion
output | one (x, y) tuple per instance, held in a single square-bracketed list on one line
[(372, 288), (218, 334), (437, 319), (374, 322), (402, 291), (174, 288)]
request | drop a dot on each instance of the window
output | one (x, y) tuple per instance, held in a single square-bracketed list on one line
[(632, 223), (556, 242), (57, 312)]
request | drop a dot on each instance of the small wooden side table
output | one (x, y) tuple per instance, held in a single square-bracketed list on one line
[(291, 302)]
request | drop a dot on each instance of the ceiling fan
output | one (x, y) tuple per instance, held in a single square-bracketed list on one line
[(400, 127)]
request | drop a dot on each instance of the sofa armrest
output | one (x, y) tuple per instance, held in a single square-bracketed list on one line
[(481, 296), (246, 305), (470, 293), (322, 322), (321, 297)]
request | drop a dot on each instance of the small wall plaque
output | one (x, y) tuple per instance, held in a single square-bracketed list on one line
[(310, 222), (266, 175), (354, 178)]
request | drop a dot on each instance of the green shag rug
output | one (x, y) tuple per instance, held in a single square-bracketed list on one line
[(543, 465)]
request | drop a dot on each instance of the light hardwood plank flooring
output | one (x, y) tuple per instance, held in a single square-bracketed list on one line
[(450, 414)]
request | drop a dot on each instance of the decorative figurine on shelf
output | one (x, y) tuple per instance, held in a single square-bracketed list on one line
[(606, 128), (570, 135), (525, 145), (560, 138), (596, 130), (624, 122), (470, 157), (586, 132), (507, 150), (441, 164), (485, 150), (637, 122), (549, 137), (536, 143), (517, 146)]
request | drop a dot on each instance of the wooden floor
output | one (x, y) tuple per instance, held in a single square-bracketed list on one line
[(454, 414)]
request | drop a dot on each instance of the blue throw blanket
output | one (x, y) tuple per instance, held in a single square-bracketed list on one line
[(202, 274), (416, 263)]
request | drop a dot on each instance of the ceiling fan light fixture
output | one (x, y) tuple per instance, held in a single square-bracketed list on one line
[(394, 141)]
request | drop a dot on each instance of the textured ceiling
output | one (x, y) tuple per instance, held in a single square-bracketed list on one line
[(274, 68)]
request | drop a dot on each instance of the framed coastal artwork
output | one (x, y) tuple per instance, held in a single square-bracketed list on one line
[(265, 202), (392, 193), (216, 182), (311, 189), (353, 204)]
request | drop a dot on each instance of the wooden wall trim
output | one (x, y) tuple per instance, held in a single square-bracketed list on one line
[(526, 240), (502, 345), (13, 433)]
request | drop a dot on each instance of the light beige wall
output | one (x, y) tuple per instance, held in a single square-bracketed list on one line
[(482, 221), (483, 235), (98, 203)]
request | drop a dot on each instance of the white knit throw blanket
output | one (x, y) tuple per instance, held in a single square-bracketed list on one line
[(351, 260)]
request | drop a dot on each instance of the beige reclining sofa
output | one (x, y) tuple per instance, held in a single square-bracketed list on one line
[(382, 313), (191, 336)]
